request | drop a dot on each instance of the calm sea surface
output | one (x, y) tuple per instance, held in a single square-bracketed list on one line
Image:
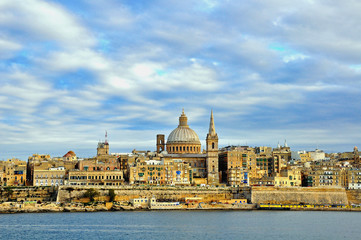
[(182, 225)]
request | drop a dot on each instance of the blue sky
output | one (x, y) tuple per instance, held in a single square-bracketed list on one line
[(270, 70)]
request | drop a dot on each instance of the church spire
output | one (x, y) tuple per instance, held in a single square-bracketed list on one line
[(106, 137), (212, 129)]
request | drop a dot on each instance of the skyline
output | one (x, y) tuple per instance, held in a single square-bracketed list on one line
[(275, 70)]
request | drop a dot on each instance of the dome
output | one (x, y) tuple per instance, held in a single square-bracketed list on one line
[(183, 135), (69, 154), (183, 139)]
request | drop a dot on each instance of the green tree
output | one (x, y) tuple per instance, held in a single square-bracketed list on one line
[(9, 193), (91, 194), (111, 195), (70, 189)]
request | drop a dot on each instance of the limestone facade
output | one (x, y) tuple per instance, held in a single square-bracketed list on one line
[(49, 177), (13, 172), (212, 154), (98, 178), (161, 172)]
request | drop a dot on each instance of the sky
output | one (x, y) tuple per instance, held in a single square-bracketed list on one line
[(271, 71)]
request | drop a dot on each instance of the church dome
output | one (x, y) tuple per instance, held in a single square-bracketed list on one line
[(183, 139), (183, 135)]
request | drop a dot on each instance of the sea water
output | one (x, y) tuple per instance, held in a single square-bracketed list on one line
[(182, 225)]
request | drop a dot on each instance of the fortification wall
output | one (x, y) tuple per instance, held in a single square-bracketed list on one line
[(292, 195), (354, 196), (297, 195), (71, 194), (17, 194)]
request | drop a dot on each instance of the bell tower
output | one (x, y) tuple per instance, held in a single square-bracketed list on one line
[(160, 143), (212, 154), (103, 147)]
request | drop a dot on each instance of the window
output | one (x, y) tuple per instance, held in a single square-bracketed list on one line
[(212, 145)]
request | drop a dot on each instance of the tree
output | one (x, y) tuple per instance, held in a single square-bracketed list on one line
[(91, 194), (70, 189), (9, 193), (111, 195)]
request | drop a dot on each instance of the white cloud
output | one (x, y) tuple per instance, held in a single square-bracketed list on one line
[(7, 48), (65, 61), (44, 21), (294, 57), (146, 64)]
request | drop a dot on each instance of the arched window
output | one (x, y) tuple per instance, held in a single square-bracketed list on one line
[(212, 145), (176, 149)]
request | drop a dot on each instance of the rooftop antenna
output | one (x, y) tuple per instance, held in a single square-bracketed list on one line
[(106, 137)]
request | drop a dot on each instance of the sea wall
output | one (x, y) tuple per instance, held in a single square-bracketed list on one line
[(17, 194), (126, 193), (299, 195), (354, 196), (292, 195)]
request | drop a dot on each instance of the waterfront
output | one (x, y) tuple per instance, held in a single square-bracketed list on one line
[(182, 225)]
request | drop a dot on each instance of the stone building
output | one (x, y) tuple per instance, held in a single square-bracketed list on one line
[(305, 157), (241, 158), (354, 178), (94, 164), (53, 176), (317, 155), (280, 158), (324, 177), (44, 163), (289, 177), (99, 178), (13, 172), (236, 177), (183, 143), (70, 156), (161, 172)]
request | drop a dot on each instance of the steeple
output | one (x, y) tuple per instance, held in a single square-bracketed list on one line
[(212, 129), (106, 138), (286, 143), (212, 154)]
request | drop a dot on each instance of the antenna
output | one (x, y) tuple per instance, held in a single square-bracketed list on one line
[(106, 137)]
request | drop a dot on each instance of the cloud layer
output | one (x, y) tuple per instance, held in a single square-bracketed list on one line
[(270, 70)]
